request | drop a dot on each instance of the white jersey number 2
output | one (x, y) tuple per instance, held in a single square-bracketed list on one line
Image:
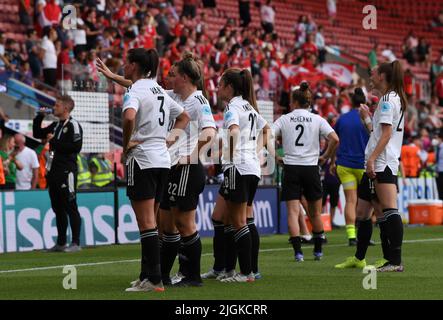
[(300, 128)]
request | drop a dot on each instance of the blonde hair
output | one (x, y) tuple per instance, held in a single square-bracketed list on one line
[(4, 142)]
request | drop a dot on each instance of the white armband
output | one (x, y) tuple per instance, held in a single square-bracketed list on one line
[(368, 120)]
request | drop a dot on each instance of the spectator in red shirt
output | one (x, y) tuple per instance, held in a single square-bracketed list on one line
[(165, 64), (309, 48), (408, 83), (328, 107), (178, 29), (64, 75), (149, 34), (50, 14), (175, 52)]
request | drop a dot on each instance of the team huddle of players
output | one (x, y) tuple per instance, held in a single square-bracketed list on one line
[(165, 132)]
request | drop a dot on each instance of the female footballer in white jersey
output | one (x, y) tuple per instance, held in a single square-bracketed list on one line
[(378, 187), (243, 125), (225, 257), (146, 111), (301, 132), (187, 177)]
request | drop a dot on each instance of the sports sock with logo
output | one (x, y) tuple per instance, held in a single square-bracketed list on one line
[(192, 249), (151, 256), (243, 247), (255, 244), (169, 250)]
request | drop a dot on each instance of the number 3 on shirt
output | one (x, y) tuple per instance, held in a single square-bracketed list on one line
[(161, 121)]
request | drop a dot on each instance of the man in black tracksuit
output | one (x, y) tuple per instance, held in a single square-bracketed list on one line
[(65, 142)]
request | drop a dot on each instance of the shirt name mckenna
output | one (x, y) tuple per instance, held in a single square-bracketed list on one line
[(301, 119)]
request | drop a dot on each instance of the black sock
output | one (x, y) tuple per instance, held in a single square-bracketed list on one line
[(151, 256), (255, 244), (364, 234), (218, 245), (192, 248), (183, 265), (230, 252), (395, 234), (385, 246), (296, 244), (168, 252), (318, 240), (243, 247)]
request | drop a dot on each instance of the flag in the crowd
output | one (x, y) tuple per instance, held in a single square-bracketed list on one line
[(339, 72)]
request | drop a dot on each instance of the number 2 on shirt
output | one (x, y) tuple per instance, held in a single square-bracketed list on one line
[(297, 141), (253, 119)]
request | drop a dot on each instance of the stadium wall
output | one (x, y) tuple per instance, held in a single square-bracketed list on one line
[(27, 221)]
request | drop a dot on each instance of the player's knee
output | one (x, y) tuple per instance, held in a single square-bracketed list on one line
[(363, 213), (217, 215), (239, 223)]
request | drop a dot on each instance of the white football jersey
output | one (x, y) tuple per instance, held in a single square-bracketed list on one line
[(154, 108), (388, 111), (197, 106), (301, 131), (240, 112)]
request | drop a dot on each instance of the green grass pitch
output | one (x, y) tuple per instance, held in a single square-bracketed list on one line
[(104, 273)]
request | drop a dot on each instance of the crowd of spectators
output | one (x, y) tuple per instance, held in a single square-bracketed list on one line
[(65, 58)]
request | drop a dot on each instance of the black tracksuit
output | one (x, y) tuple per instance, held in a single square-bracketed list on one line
[(62, 174)]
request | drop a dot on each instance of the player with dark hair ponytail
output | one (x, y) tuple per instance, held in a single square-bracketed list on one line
[(301, 132), (243, 125), (378, 188), (349, 161), (186, 178)]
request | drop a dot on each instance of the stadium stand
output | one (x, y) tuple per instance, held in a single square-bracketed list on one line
[(277, 61)]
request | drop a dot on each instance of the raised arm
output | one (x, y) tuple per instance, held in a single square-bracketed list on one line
[(101, 67), (37, 130)]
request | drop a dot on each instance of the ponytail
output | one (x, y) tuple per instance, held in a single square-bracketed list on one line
[(302, 95), (241, 83), (358, 98), (147, 60), (248, 92), (201, 85), (394, 77), (193, 69)]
